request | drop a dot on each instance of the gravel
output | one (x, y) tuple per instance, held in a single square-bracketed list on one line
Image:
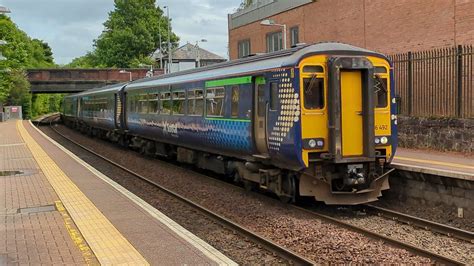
[(438, 243), (317, 240)]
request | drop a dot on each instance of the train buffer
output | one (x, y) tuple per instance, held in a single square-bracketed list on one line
[(57, 209)]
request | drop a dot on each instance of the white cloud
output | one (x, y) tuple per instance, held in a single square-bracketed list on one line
[(70, 26)]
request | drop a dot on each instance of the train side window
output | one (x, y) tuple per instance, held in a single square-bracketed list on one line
[(165, 103), (274, 96), (261, 100), (313, 93), (143, 104), (195, 102), (235, 102), (215, 102), (380, 91), (153, 103), (179, 103)]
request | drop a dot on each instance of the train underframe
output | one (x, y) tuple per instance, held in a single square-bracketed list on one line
[(335, 184)]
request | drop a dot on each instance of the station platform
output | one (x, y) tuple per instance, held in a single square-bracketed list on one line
[(56, 209), (435, 163)]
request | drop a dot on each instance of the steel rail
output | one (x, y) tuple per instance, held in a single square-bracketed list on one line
[(376, 236), (422, 223), (391, 241), (281, 251)]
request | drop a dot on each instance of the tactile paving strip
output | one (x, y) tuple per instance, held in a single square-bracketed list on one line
[(107, 243)]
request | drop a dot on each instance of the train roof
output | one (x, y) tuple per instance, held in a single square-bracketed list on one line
[(251, 64), (109, 88), (284, 58)]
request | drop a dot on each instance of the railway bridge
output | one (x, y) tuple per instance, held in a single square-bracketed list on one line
[(62, 80)]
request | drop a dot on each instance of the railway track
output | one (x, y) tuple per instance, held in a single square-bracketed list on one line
[(293, 257), (273, 247), (422, 223)]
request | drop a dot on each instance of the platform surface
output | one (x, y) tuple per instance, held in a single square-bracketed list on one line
[(59, 210), (434, 162)]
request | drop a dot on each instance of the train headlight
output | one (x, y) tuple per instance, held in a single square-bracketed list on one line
[(312, 143), (384, 140), (377, 141)]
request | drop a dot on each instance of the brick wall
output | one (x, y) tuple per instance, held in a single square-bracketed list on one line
[(384, 25)]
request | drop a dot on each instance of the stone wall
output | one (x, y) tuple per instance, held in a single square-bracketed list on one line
[(443, 134), (432, 190)]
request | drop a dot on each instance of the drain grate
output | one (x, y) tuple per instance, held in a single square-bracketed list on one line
[(10, 173), (45, 208)]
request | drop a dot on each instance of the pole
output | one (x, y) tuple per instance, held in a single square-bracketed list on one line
[(170, 57), (161, 49), (459, 75), (284, 37), (410, 83), (197, 55)]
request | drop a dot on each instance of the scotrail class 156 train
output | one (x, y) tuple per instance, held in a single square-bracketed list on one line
[(315, 120)]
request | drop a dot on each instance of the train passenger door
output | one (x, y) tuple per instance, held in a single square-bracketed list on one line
[(351, 113), (260, 115)]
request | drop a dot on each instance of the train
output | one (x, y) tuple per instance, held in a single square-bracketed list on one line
[(317, 120)]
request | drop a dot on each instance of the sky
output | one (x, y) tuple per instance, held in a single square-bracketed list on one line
[(70, 26)]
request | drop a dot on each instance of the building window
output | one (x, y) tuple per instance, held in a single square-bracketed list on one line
[(295, 36), (244, 48), (215, 102), (274, 42)]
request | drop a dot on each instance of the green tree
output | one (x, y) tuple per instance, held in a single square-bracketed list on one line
[(21, 52), (131, 34)]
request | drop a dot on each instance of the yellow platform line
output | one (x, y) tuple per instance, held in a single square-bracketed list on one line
[(434, 162), (107, 243)]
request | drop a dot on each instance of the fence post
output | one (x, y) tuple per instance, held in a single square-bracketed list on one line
[(410, 83), (459, 80)]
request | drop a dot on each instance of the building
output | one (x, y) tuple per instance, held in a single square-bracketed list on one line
[(188, 56), (386, 26)]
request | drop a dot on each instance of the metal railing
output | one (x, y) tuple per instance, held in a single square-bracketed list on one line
[(436, 83)]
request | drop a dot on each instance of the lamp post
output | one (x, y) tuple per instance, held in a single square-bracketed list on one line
[(271, 22), (149, 73), (197, 52), (170, 57), (159, 40), (125, 72)]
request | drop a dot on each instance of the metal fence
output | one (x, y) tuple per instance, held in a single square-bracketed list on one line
[(436, 82)]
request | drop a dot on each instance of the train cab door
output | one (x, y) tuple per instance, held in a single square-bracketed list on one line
[(260, 116), (351, 113), (351, 109)]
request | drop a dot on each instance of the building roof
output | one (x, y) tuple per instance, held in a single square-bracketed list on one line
[(189, 52)]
